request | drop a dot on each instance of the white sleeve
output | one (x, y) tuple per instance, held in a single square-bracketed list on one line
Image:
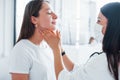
[(64, 75), (76, 74), (20, 61), (92, 70)]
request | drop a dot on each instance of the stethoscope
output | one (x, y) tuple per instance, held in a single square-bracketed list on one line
[(98, 53), (95, 53)]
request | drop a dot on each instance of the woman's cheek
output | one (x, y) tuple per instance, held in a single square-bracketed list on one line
[(103, 30), (44, 24)]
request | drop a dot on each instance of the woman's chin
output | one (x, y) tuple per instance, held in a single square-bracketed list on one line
[(52, 28)]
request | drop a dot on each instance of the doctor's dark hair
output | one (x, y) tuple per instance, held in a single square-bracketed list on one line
[(111, 40), (31, 9)]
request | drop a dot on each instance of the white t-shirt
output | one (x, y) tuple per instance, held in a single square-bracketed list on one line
[(95, 69), (37, 61)]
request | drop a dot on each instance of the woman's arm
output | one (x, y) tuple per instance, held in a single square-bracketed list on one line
[(67, 62), (16, 76), (57, 62), (53, 40)]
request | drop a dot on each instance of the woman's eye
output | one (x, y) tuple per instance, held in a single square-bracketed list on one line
[(98, 20), (49, 12)]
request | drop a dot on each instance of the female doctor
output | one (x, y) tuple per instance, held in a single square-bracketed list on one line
[(105, 66), (30, 60)]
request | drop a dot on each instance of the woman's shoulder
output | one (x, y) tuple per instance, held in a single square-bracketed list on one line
[(21, 50), (20, 46), (97, 59)]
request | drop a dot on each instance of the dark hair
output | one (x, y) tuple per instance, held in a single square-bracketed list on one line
[(28, 28), (111, 40)]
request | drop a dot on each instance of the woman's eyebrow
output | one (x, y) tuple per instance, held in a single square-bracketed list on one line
[(98, 18), (47, 9)]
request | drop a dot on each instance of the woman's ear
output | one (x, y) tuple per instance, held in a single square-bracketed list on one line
[(33, 19)]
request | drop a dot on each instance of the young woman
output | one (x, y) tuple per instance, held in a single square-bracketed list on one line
[(30, 60), (105, 66)]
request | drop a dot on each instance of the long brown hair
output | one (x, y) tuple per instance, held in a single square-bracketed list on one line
[(111, 40), (28, 28)]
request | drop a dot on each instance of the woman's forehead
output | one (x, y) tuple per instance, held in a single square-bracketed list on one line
[(46, 6)]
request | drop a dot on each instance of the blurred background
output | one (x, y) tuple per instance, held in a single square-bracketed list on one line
[(76, 22)]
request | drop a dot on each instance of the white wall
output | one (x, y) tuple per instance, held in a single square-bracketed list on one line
[(84, 22), (1, 26), (6, 26)]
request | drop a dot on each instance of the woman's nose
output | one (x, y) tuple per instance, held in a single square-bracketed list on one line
[(54, 16)]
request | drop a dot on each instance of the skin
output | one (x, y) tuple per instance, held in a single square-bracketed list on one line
[(53, 41), (102, 20), (45, 20)]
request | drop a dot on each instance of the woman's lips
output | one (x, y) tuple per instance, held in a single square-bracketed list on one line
[(54, 23)]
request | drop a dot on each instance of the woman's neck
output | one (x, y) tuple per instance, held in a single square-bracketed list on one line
[(36, 39)]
